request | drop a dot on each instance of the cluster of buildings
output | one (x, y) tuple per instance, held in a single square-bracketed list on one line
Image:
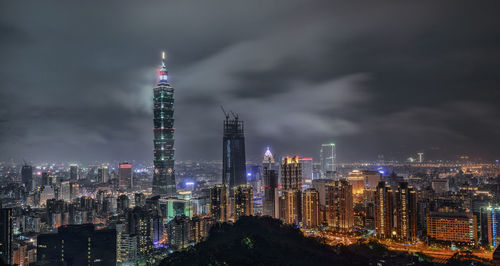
[(106, 214)]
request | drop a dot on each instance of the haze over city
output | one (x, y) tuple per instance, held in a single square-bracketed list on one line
[(376, 78)]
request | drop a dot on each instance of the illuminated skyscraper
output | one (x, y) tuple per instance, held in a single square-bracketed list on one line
[(243, 201), (307, 171), (328, 157), (125, 175), (406, 215), (290, 206), (233, 152), (291, 173), (219, 203), (340, 208), (384, 208), (163, 126), (270, 199), (310, 208)]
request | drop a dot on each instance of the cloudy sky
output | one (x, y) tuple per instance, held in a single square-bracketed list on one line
[(375, 78)]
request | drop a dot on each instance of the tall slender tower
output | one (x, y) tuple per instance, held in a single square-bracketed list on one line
[(163, 121), (233, 151)]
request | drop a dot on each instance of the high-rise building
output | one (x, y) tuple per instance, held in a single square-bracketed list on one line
[(490, 225), (290, 206), (103, 174), (268, 162), (122, 203), (126, 244), (357, 179), (77, 245), (321, 185), (6, 236), (310, 208), (384, 208), (73, 172), (139, 223), (270, 201), (219, 201), (27, 176), (340, 208), (233, 152), (125, 176), (178, 230), (65, 191), (243, 201), (307, 171), (291, 173), (328, 157), (406, 214), (163, 126)]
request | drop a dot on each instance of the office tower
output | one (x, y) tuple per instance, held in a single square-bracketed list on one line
[(310, 208), (290, 206), (103, 174), (233, 152), (77, 245), (340, 209), (65, 191), (243, 201), (27, 176), (307, 170), (73, 172), (452, 227), (139, 199), (125, 175), (178, 230), (357, 179), (406, 214), (270, 201), (6, 235), (384, 208), (157, 230), (122, 203), (219, 203), (163, 110), (291, 173), (328, 157)]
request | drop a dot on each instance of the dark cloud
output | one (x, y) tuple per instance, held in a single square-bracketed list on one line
[(376, 78)]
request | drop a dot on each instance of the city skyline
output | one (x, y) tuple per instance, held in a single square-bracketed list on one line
[(83, 90)]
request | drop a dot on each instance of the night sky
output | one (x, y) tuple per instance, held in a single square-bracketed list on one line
[(375, 78)]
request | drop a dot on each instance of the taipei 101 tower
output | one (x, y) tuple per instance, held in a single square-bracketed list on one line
[(163, 141)]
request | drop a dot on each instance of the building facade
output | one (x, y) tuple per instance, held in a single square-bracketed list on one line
[(233, 153)]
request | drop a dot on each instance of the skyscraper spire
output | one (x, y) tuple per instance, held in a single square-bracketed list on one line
[(163, 69)]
